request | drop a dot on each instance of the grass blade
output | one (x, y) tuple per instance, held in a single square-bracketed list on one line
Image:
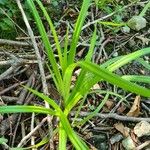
[(110, 61), (128, 58), (146, 7), (74, 138), (79, 109), (144, 63), (65, 55), (45, 98), (81, 88), (115, 79), (46, 42), (114, 24), (137, 78), (26, 109), (53, 31), (77, 30), (62, 138), (92, 114), (111, 65), (67, 81), (92, 45)]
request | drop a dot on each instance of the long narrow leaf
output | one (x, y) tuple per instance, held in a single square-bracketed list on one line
[(115, 79), (46, 42), (137, 78), (77, 30), (65, 55), (128, 58), (99, 91), (92, 45), (79, 109), (45, 98), (82, 86), (75, 94), (144, 63), (53, 31), (72, 103), (75, 139), (26, 109), (67, 80), (62, 138), (110, 61), (92, 114)]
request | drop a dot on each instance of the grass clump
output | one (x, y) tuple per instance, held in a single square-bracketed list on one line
[(91, 73)]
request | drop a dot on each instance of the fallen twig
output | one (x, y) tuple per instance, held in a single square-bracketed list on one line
[(11, 87), (5, 124), (113, 116), (147, 143), (22, 61), (9, 99), (39, 59), (13, 43), (32, 132), (7, 72)]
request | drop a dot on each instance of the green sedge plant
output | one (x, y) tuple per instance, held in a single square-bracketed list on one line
[(62, 71)]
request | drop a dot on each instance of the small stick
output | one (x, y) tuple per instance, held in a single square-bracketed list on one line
[(9, 71), (113, 116), (45, 88), (37, 52), (9, 99), (13, 43), (32, 127), (4, 125), (140, 147), (31, 133), (22, 61), (21, 101)]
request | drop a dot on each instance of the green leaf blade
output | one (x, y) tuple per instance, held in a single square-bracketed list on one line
[(26, 109), (115, 79), (46, 42), (77, 30)]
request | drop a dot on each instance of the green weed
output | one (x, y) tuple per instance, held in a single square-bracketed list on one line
[(90, 74)]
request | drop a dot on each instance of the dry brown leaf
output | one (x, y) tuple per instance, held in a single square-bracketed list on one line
[(135, 109), (121, 128), (143, 39), (109, 104), (80, 53), (121, 109), (133, 136)]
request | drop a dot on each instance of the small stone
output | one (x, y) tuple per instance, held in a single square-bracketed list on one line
[(137, 23), (142, 129), (115, 54), (100, 141), (126, 29), (116, 138), (128, 143)]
